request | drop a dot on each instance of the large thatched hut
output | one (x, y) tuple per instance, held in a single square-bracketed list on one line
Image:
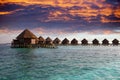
[(105, 42), (115, 42), (41, 40), (95, 42), (48, 41), (84, 42), (56, 41), (25, 39), (74, 42), (65, 41)]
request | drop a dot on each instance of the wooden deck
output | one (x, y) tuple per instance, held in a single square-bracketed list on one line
[(33, 46)]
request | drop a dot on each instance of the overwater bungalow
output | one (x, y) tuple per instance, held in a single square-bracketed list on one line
[(25, 39), (56, 41), (84, 42), (95, 42), (115, 42), (41, 40), (48, 41), (65, 41), (105, 42), (74, 42)]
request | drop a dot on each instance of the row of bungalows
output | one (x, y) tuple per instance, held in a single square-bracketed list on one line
[(28, 39), (57, 41), (85, 42)]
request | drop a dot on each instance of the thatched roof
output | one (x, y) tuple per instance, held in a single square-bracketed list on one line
[(74, 41), (105, 40), (48, 39), (84, 40), (41, 38), (95, 40), (26, 34), (65, 41), (57, 40), (115, 40)]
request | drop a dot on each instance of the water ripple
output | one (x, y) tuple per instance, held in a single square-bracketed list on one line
[(64, 63)]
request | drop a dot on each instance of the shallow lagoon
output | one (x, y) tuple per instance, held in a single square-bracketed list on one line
[(63, 63)]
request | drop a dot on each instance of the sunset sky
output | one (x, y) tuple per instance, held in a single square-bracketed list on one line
[(60, 18)]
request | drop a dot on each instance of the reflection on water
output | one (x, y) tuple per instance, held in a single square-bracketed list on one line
[(64, 63)]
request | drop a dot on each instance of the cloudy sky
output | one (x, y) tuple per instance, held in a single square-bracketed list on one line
[(60, 18)]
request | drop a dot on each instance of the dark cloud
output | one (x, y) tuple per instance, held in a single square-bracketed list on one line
[(114, 2), (9, 7), (74, 18)]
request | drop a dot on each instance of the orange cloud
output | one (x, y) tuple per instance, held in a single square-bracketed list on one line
[(5, 13), (39, 30), (86, 11), (107, 32), (58, 16), (117, 12), (60, 3), (9, 12), (3, 31), (86, 14), (7, 31), (28, 2), (106, 11), (56, 13)]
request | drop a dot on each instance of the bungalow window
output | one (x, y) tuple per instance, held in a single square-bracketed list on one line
[(33, 41)]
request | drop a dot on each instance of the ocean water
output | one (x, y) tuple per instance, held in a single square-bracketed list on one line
[(63, 63)]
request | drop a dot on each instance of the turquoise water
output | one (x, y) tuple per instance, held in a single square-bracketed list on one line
[(63, 63)]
